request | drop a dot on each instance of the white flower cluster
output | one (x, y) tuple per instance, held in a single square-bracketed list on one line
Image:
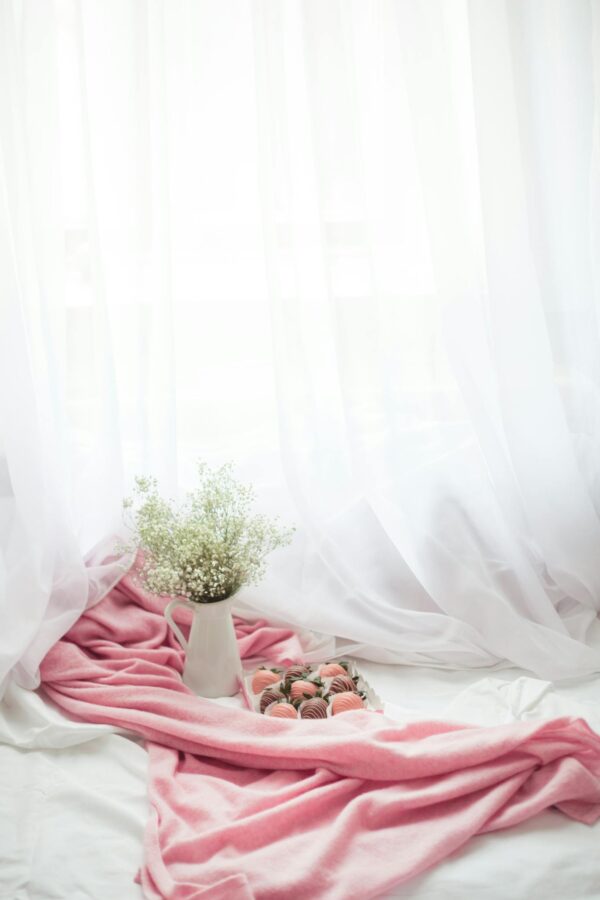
[(208, 547)]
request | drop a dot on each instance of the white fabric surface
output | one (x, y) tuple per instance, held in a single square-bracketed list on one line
[(353, 245), (73, 798), (72, 805)]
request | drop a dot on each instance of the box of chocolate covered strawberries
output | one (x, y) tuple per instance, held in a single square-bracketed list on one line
[(305, 691)]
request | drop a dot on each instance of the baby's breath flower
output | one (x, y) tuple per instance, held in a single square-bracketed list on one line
[(208, 547)]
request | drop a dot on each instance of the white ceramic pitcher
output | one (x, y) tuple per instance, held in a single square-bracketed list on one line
[(212, 659)]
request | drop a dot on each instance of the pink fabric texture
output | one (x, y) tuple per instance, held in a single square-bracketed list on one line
[(244, 807)]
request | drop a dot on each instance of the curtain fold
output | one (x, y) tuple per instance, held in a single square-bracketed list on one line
[(351, 246), (44, 582)]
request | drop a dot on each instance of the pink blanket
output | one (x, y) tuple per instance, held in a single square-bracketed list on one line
[(244, 806)]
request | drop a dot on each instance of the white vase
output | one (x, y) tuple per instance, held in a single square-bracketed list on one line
[(212, 660)]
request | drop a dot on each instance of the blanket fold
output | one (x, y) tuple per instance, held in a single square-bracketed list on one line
[(244, 807)]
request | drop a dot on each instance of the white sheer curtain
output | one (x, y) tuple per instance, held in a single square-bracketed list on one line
[(352, 246), (54, 556)]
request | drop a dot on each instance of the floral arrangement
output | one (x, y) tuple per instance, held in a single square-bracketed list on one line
[(205, 549)]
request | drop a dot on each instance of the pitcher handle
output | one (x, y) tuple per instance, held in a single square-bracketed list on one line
[(178, 633)]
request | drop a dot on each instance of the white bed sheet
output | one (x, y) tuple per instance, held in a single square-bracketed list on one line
[(72, 805), (73, 797)]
